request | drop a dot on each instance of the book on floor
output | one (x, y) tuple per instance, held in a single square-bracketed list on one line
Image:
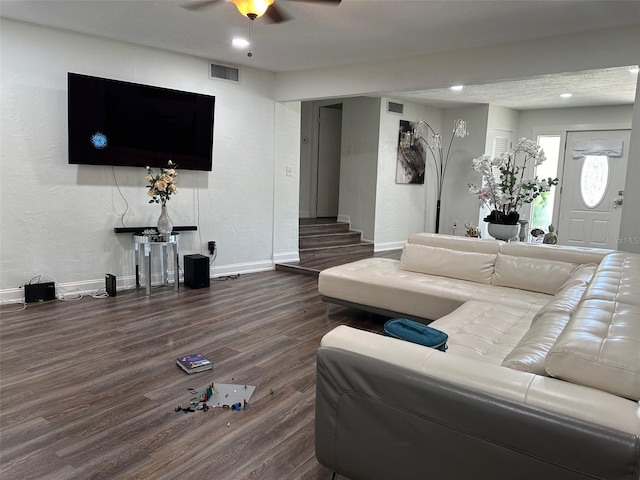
[(194, 363)]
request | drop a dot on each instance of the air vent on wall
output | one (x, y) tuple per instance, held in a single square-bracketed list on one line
[(394, 107), (224, 72)]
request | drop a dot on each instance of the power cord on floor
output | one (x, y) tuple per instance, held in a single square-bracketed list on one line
[(226, 277), (213, 253), (100, 293), (24, 306)]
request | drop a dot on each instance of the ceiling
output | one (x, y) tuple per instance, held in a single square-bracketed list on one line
[(357, 31)]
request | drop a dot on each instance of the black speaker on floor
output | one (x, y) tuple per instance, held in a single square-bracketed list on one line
[(196, 271), (110, 284), (39, 292)]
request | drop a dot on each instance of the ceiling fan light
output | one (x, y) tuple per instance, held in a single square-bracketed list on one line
[(240, 42), (252, 8)]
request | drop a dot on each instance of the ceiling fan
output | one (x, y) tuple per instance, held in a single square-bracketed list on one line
[(253, 9)]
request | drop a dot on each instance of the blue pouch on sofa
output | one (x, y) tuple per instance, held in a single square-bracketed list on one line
[(415, 332)]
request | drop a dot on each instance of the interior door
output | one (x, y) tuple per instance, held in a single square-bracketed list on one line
[(329, 140), (593, 188)]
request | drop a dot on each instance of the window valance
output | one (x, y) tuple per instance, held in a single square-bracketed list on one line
[(609, 148)]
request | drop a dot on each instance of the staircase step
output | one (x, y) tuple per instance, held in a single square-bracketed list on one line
[(360, 248), (297, 268), (313, 267), (318, 228), (329, 239)]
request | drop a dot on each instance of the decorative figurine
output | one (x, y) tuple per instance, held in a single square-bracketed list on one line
[(472, 230), (550, 238), (537, 234)]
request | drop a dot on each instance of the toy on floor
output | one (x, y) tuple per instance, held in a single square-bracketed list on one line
[(220, 395)]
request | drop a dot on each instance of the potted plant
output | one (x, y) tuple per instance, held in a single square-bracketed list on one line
[(505, 188)]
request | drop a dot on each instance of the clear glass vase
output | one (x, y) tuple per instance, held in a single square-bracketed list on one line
[(165, 225)]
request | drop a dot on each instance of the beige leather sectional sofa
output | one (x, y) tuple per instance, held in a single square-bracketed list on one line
[(541, 378)]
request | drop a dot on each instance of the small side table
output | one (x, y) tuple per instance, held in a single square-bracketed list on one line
[(145, 244)]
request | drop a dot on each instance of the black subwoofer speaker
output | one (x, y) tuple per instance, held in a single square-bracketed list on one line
[(196, 271), (39, 292)]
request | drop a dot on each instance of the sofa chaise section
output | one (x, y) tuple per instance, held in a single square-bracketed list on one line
[(390, 409)]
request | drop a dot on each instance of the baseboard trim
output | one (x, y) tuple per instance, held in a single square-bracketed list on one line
[(71, 290), (286, 257), (386, 246), (241, 268)]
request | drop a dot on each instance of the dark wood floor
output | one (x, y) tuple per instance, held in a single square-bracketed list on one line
[(88, 387)]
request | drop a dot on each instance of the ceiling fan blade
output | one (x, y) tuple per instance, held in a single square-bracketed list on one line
[(199, 4), (276, 14)]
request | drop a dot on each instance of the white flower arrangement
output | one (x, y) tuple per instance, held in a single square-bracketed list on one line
[(507, 193), (162, 185)]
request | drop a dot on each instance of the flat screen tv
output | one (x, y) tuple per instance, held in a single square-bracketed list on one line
[(127, 124)]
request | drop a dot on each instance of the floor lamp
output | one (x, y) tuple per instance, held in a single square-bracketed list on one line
[(422, 131)]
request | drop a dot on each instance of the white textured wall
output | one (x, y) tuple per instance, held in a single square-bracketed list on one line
[(458, 205), (286, 182), (630, 223), (402, 209), (358, 163), (58, 219), (306, 152)]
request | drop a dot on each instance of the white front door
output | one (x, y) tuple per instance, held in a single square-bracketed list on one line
[(592, 190)]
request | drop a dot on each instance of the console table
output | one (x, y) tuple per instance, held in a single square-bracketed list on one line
[(176, 228), (145, 244)]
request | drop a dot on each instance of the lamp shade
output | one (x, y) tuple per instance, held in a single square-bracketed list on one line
[(252, 8)]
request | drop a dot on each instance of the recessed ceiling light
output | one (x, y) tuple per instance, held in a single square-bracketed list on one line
[(566, 95), (240, 42), (457, 88), (634, 70)]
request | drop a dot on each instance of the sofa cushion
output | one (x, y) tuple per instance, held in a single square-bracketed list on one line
[(380, 283), (472, 266), (464, 244), (533, 274), (600, 348), (581, 275), (485, 331), (530, 353), (557, 253), (617, 279), (568, 297)]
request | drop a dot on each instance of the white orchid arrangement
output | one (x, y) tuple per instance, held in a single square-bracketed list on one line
[(162, 185), (507, 192)]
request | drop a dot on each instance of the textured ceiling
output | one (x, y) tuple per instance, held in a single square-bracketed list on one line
[(609, 86), (353, 32)]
